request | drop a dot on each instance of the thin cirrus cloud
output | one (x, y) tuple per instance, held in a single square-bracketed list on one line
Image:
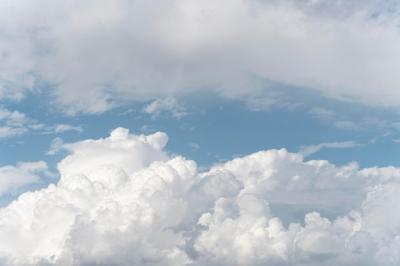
[(122, 200), (99, 54)]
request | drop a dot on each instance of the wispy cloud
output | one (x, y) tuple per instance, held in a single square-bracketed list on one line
[(333, 118), (61, 128), (15, 123), (311, 149), (55, 146), (167, 107)]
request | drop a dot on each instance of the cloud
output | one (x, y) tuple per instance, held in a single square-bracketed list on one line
[(14, 123), (311, 149), (323, 114), (58, 129), (56, 145), (127, 152), (13, 178), (194, 146), (363, 121), (61, 128), (169, 106), (122, 200), (97, 55)]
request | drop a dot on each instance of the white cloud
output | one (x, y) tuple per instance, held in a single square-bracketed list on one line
[(122, 201), (13, 178), (166, 106), (61, 128), (56, 145), (101, 54), (311, 149), (58, 129), (122, 150), (14, 123)]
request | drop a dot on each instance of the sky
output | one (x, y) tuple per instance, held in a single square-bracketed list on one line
[(186, 132)]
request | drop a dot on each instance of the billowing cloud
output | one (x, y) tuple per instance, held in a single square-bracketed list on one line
[(122, 200), (98, 54)]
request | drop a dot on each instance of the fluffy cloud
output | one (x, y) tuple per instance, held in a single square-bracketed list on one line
[(13, 178), (98, 54), (121, 150), (122, 200)]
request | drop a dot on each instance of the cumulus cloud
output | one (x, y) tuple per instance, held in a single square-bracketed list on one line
[(122, 200), (115, 150), (99, 54), (13, 178)]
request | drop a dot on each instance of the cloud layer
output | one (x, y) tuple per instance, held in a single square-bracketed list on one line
[(123, 200), (98, 54)]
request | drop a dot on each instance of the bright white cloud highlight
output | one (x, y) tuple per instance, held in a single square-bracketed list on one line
[(122, 201), (98, 54)]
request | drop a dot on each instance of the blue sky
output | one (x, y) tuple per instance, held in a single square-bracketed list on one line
[(213, 130), (186, 132)]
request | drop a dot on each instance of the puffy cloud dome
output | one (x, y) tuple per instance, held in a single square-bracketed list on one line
[(122, 200)]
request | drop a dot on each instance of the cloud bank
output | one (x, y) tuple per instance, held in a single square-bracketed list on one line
[(92, 56), (123, 200)]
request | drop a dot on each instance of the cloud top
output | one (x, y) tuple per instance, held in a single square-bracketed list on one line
[(122, 200)]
